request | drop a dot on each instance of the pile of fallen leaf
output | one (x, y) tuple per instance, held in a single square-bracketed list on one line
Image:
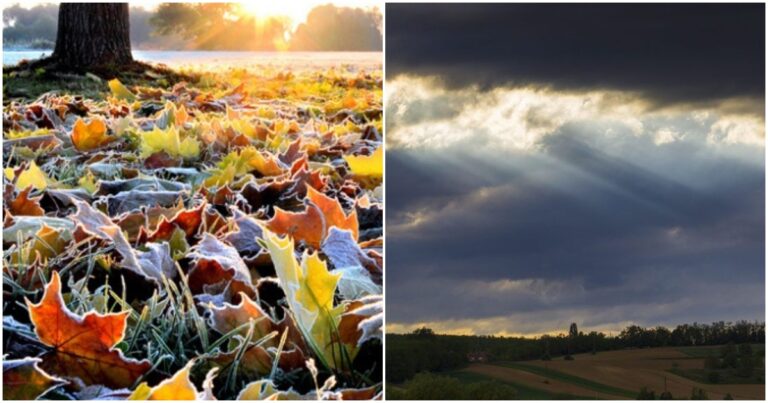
[(215, 240)]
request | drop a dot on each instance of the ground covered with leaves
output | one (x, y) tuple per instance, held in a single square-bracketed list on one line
[(213, 239)]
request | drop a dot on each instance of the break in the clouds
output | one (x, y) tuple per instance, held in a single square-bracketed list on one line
[(523, 206), (671, 53)]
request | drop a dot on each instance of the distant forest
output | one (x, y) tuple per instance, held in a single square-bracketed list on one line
[(424, 351), (212, 26)]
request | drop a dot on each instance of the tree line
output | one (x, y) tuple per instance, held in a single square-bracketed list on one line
[(424, 351), (213, 26)]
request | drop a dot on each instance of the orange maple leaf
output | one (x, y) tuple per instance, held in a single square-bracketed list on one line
[(313, 224), (307, 226), (334, 214), (89, 136), (83, 345)]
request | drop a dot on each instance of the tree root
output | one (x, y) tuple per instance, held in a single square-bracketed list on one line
[(128, 72)]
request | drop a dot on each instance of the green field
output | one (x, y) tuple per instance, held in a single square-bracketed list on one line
[(523, 392), (726, 376), (709, 351), (561, 376)]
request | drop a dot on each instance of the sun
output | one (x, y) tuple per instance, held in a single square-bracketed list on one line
[(296, 11), (263, 9)]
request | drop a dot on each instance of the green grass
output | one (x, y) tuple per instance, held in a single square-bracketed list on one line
[(727, 376), (523, 392), (572, 379), (708, 351)]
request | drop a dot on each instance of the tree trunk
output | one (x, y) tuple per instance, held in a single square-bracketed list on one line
[(93, 35)]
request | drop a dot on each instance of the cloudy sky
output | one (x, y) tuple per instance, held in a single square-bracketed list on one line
[(598, 164)]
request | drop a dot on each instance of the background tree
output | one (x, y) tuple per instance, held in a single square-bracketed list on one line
[(31, 28), (219, 26), (339, 28), (92, 34)]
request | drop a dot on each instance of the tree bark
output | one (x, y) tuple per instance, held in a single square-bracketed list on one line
[(93, 35)]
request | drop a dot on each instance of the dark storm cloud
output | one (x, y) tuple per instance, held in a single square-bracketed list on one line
[(604, 237), (670, 53)]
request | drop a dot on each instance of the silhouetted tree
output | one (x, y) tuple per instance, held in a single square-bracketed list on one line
[(573, 331), (423, 331)]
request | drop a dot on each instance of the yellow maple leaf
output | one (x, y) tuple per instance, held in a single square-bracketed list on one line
[(177, 387), (31, 176), (88, 182), (368, 165), (309, 290), (348, 127), (243, 126), (47, 243), (241, 162), (265, 112), (319, 284), (88, 136), (120, 91), (170, 141)]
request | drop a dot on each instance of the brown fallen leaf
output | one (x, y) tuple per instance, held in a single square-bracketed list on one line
[(257, 361), (263, 195), (133, 200), (227, 317), (152, 265), (215, 262), (34, 143), (83, 346), (24, 380), (314, 223), (362, 320), (25, 205), (191, 221), (244, 238)]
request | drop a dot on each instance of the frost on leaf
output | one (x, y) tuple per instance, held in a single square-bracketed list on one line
[(216, 262), (83, 346), (157, 198)]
